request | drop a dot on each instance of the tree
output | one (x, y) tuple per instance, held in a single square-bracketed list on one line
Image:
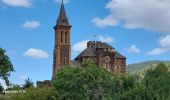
[(157, 82), (1, 88), (6, 66), (83, 83), (45, 83), (16, 87), (28, 83), (154, 86)]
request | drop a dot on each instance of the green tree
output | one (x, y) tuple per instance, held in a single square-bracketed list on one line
[(154, 86), (6, 66), (157, 82), (1, 88), (45, 83), (16, 87), (129, 82), (28, 83), (83, 83)]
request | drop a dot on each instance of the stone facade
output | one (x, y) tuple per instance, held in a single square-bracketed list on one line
[(102, 53), (61, 53)]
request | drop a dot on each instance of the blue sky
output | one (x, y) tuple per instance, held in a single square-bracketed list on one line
[(139, 30)]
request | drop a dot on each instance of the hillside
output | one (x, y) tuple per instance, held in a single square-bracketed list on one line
[(139, 67)]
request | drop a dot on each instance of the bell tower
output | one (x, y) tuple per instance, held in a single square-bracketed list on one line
[(61, 53)]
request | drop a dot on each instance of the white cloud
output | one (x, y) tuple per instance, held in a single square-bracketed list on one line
[(133, 49), (31, 24), (23, 77), (107, 21), (106, 39), (164, 46), (35, 53), (64, 1), (165, 41), (18, 3), (80, 46), (146, 14), (157, 51)]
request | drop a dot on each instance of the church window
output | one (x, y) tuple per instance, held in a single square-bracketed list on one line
[(63, 20), (66, 36), (65, 61), (107, 59), (118, 68), (61, 36)]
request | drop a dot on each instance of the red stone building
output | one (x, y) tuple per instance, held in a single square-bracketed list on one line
[(102, 53), (61, 53)]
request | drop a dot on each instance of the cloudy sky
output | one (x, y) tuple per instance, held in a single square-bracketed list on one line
[(140, 30)]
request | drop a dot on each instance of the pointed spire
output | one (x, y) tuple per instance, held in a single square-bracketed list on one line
[(62, 18)]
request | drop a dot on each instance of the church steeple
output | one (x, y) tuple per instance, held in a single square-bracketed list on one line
[(62, 18), (62, 47)]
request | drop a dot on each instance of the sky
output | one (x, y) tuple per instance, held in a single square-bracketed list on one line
[(138, 30)]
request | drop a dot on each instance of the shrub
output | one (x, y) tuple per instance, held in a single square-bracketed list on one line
[(43, 93)]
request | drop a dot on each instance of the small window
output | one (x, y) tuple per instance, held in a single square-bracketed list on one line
[(61, 37), (66, 37), (65, 61), (107, 59)]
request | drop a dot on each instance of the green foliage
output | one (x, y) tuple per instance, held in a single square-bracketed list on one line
[(157, 82), (1, 88), (28, 83), (46, 83), (91, 82), (6, 66), (129, 82), (43, 93), (87, 82), (154, 86), (16, 87)]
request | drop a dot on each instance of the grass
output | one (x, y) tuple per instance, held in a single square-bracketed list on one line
[(7, 96)]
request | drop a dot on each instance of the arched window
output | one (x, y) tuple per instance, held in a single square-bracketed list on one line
[(65, 61), (61, 36), (66, 37), (118, 68)]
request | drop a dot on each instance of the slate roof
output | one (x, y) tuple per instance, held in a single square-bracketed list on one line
[(92, 52), (118, 55), (105, 45), (62, 18), (87, 52)]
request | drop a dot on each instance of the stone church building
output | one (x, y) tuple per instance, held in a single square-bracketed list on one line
[(102, 53)]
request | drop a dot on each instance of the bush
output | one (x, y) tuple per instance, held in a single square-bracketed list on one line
[(45, 83), (1, 88), (42, 93), (90, 82), (86, 82)]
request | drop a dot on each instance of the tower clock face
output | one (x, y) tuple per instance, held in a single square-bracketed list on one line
[(107, 59)]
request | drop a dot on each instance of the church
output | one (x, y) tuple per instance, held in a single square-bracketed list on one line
[(101, 53)]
